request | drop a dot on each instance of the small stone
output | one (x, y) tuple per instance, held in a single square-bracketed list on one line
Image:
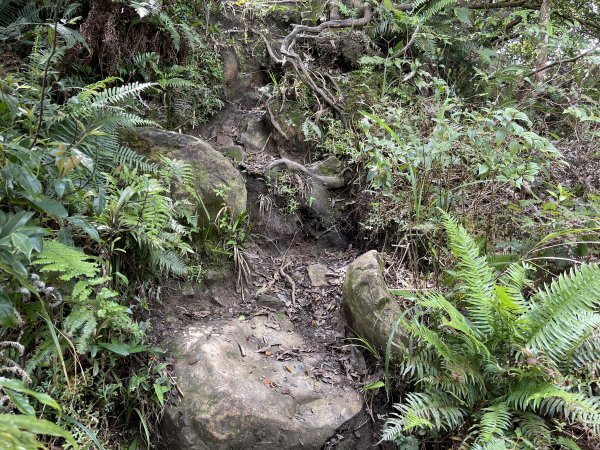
[(318, 275), (269, 301), (187, 290), (256, 135)]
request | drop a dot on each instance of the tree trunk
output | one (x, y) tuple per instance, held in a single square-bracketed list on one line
[(542, 59)]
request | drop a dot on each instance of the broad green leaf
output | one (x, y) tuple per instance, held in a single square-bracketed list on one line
[(15, 222), (49, 206), (7, 312), (373, 386), (52, 207), (36, 426), (22, 243), (20, 402), (158, 390), (118, 348), (85, 226), (16, 385)]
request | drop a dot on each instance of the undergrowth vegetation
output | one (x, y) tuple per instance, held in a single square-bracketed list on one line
[(88, 226), (503, 369), (488, 112), (468, 125)]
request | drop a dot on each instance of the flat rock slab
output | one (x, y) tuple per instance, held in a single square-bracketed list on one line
[(318, 275), (246, 385)]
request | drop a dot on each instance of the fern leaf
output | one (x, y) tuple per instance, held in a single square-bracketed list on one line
[(494, 422), (477, 277), (79, 325), (115, 95), (166, 24), (564, 311), (432, 410), (429, 8), (67, 261)]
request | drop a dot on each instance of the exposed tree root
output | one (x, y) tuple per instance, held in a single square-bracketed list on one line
[(327, 181), (288, 57), (274, 122), (289, 280)]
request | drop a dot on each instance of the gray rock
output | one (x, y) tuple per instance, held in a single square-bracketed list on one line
[(213, 171), (318, 275), (235, 153), (330, 166), (237, 398), (320, 202), (368, 305), (256, 135), (270, 301)]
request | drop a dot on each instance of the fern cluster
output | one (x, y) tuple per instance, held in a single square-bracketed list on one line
[(188, 89), (151, 225), (73, 200), (504, 369)]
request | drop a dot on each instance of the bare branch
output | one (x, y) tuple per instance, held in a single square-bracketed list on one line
[(563, 61)]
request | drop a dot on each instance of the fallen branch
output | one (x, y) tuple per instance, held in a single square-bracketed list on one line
[(288, 57)]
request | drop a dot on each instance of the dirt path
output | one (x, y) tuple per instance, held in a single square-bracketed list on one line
[(296, 266)]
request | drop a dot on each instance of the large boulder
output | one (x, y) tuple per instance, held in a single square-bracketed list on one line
[(216, 180), (368, 305), (246, 385)]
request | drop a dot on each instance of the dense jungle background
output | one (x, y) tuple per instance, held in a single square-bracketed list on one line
[(181, 180)]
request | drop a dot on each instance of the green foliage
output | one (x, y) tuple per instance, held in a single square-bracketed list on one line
[(73, 201), (57, 257), (485, 357), (188, 88), (143, 218), (20, 430)]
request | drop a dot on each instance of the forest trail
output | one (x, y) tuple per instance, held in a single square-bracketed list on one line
[(295, 263)]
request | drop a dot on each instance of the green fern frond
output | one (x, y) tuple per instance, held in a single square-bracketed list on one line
[(117, 94), (494, 444), (477, 278), (16, 16), (496, 419), (431, 410), (80, 325), (585, 359), (425, 10), (166, 24), (564, 311), (43, 353), (170, 262), (514, 280), (454, 320), (535, 429), (551, 400), (192, 39), (67, 261)]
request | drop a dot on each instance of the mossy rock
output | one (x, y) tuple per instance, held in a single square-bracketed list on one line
[(235, 153), (216, 180), (368, 305)]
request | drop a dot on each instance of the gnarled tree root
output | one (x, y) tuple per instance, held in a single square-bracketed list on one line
[(288, 57), (327, 181)]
